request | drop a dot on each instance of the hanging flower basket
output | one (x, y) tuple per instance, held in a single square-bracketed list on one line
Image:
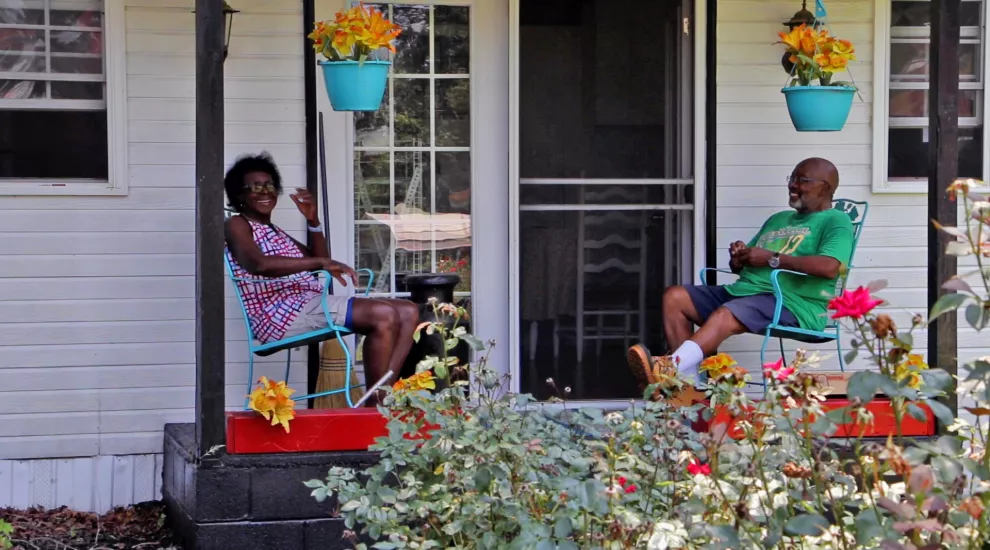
[(355, 82), (815, 57), (819, 108), (355, 86)]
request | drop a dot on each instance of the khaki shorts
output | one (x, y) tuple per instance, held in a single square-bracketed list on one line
[(312, 317)]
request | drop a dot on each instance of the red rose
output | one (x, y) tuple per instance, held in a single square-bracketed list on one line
[(854, 304)]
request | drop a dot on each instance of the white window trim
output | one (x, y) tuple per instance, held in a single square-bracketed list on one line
[(881, 95), (115, 62)]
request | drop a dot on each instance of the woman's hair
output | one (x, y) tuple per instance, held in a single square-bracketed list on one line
[(233, 182)]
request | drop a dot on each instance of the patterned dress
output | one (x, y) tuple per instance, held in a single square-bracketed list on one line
[(274, 303)]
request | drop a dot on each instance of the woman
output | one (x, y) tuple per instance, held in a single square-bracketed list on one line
[(290, 303)]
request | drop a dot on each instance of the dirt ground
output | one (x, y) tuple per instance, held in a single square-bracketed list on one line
[(140, 527)]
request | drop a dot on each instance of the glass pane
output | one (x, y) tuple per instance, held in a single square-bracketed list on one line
[(453, 112), (27, 143), (452, 44), (69, 63), (607, 111), (371, 183), (76, 17), (371, 128), (22, 89), (15, 13), (77, 90), (373, 246), (413, 45), (918, 14), (907, 153), (584, 301), (909, 61), (914, 103), (18, 62), (413, 193), (604, 194), (456, 260), (77, 42), (412, 112), (454, 183)]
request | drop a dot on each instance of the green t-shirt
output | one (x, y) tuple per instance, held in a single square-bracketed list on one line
[(825, 233)]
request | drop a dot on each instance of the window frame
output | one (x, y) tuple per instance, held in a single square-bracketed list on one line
[(881, 99), (115, 68)]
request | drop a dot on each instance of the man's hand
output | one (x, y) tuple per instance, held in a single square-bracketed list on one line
[(755, 257), (306, 205), (734, 251), (338, 270)]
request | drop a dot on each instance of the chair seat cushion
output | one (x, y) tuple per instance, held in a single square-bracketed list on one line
[(314, 337)]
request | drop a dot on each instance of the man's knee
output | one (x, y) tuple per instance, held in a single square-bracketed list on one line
[(408, 311), (676, 298), (726, 323)]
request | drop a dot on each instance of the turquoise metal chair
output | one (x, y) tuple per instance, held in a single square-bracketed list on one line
[(856, 210), (330, 332)]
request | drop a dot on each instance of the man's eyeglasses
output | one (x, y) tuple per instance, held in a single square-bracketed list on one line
[(802, 180), (255, 187)]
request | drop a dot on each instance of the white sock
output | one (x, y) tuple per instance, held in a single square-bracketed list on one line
[(688, 358)]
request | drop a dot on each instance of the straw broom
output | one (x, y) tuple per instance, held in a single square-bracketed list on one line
[(333, 376)]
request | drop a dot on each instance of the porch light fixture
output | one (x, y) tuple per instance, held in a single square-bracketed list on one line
[(802, 17), (228, 25)]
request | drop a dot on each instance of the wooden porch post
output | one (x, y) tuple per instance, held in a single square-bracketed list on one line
[(210, 430), (943, 167)]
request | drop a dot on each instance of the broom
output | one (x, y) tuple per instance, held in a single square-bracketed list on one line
[(333, 362)]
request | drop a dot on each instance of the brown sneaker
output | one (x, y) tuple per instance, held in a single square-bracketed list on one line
[(648, 369)]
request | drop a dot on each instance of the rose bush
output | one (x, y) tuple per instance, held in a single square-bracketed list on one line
[(500, 471)]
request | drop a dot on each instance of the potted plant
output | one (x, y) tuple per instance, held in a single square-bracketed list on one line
[(353, 81), (816, 56)]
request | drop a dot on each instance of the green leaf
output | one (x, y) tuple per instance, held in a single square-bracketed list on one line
[(563, 527), (851, 356), (545, 545), (917, 412), (811, 525), (946, 469), (473, 341), (313, 483), (941, 412), (977, 316), (863, 386), (945, 304), (867, 528), (937, 379)]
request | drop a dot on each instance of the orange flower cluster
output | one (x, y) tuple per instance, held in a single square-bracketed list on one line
[(815, 54), (354, 34), (271, 399), (419, 381)]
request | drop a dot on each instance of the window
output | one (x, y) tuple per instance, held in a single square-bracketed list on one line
[(412, 157), (61, 107), (901, 107)]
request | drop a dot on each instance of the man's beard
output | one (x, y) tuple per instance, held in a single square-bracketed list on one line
[(796, 204)]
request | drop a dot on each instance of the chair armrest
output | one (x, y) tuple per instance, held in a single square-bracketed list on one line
[(318, 272), (701, 274), (778, 295)]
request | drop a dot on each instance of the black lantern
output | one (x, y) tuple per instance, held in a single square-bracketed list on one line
[(802, 17), (228, 25)]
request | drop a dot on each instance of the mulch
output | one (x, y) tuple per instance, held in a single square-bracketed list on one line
[(139, 527)]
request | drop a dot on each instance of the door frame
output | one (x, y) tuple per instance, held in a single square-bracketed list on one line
[(699, 28)]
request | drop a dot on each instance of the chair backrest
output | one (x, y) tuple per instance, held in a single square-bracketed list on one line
[(856, 210), (227, 213)]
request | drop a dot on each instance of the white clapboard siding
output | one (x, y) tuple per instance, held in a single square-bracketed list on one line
[(97, 314), (757, 147), (91, 484)]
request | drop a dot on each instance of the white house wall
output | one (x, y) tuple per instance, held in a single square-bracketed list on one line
[(757, 148), (96, 298)]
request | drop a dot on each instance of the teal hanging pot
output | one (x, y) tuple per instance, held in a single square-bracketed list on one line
[(354, 86), (819, 108)]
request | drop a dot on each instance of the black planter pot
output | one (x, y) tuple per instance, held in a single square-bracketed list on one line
[(421, 288)]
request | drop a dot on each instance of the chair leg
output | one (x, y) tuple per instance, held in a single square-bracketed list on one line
[(838, 348), (783, 355), (250, 379), (347, 370), (288, 364), (763, 361)]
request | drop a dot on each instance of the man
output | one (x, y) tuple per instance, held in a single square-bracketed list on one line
[(813, 239)]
